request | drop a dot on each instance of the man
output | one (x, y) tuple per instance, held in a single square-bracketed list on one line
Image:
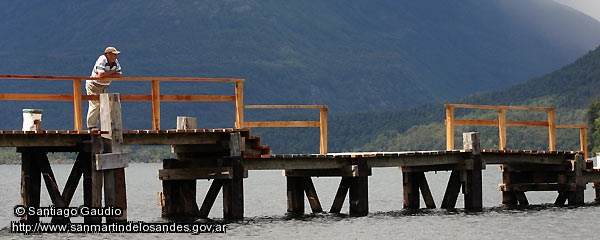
[(107, 66)]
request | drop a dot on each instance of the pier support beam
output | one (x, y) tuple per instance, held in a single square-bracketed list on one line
[(413, 182), (469, 179), (220, 161), (354, 184), (30, 183), (473, 186), (112, 161), (296, 188), (359, 190)]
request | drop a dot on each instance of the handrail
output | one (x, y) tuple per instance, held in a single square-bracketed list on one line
[(502, 123), (321, 124), (155, 97)]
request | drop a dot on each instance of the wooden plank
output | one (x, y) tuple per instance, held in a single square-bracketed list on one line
[(323, 131), (210, 198), (347, 171), (185, 123), (491, 123), (495, 123), (197, 173), (24, 139), (172, 138), (492, 107), (155, 104), (185, 98), (295, 163), (551, 129), (239, 105), (196, 148), (295, 194), (77, 105), (30, 183), (96, 181), (110, 120), (311, 195), (473, 193), (233, 192), (73, 179), (502, 128), (524, 158), (36, 97), (180, 200), (109, 188), (282, 124), (452, 191), (359, 196), (524, 187), (187, 79), (284, 106), (120, 195), (235, 144), (449, 127), (359, 190), (340, 195), (107, 161), (425, 191), (410, 190)]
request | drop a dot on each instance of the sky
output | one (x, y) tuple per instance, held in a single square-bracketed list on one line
[(589, 7)]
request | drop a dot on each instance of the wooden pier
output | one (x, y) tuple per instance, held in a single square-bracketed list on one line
[(225, 156)]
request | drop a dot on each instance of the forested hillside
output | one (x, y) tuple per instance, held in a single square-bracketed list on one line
[(352, 56), (570, 89), (374, 63)]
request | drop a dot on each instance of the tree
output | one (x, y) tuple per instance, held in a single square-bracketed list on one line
[(593, 116)]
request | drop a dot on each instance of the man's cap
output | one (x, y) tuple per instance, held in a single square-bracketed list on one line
[(111, 50)]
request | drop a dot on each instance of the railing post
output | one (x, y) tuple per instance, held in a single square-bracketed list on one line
[(502, 128), (155, 104), (77, 115), (323, 128), (551, 130), (239, 104), (449, 127), (583, 141)]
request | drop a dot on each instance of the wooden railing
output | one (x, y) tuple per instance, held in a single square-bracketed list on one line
[(156, 97), (321, 124), (502, 123)]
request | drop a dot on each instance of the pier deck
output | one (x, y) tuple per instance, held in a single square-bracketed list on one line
[(226, 155)]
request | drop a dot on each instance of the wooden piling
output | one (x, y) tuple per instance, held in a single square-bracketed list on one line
[(576, 196), (112, 161), (295, 194), (473, 186), (359, 189), (410, 186), (30, 183), (233, 189)]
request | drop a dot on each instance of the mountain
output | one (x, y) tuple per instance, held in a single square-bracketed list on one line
[(570, 89), (354, 56)]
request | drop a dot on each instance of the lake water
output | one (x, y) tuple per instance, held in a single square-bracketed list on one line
[(266, 218)]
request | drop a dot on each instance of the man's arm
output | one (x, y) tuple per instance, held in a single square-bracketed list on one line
[(109, 74)]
